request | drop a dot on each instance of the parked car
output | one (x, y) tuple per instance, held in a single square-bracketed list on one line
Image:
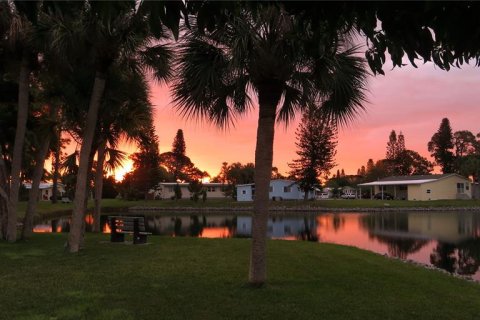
[(386, 196)]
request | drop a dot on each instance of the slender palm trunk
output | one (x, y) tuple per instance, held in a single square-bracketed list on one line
[(85, 202), (34, 191), (75, 234), (269, 96), (3, 196), (56, 166), (99, 186), (18, 148)]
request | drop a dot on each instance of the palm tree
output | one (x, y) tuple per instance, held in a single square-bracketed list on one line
[(108, 32), (45, 133), (125, 114), (288, 66), (22, 18)]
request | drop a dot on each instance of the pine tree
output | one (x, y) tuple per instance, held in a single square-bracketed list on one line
[(400, 147), (441, 145), (178, 164), (392, 146), (316, 143), (370, 165), (146, 163), (363, 171), (179, 146)]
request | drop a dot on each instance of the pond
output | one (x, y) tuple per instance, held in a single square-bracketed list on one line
[(447, 240)]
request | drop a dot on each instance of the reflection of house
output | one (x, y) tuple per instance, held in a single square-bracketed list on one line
[(166, 190), (446, 226), (278, 227), (280, 189), (187, 225), (46, 190), (426, 187)]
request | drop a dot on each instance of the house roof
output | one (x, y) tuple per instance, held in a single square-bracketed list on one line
[(291, 182), (43, 185), (406, 180), (183, 184), (245, 185)]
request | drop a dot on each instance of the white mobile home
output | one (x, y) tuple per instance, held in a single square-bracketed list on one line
[(280, 189), (46, 190), (166, 190), (423, 187)]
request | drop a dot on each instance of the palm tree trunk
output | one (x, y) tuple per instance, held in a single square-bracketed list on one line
[(99, 186), (18, 148), (75, 234), (269, 96), (56, 165), (33, 194), (3, 196), (85, 202)]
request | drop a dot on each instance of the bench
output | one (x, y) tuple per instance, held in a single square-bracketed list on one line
[(122, 225)]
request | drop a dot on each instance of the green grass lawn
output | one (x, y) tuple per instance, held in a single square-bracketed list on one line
[(190, 278), (46, 208)]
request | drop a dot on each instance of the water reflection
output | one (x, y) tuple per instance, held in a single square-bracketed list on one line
[(285, 228), (450, 241)]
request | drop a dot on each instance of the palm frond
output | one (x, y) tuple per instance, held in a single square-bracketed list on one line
[(115, 159), (205, 84), (346, 98), (157, 61)]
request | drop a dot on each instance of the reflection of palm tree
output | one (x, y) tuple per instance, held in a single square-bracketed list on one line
[(443, 257), (309, 233), (401, 247), (271, 55), (338, 222), (469, 256), (177, 229), (196, 227)]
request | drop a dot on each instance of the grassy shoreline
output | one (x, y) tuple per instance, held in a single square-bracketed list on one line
[(189, 278), (47, 209)]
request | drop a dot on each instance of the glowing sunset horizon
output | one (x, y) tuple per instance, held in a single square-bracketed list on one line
[(409, 100)]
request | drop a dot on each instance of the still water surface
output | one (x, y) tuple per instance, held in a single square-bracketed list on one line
[(448, 240)]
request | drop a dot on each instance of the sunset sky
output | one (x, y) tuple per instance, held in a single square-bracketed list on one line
[(410, 100)]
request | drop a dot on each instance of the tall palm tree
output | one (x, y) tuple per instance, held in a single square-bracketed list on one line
[(125, 114), (108, 32), (22, 18), (288, 66), (45, 133)]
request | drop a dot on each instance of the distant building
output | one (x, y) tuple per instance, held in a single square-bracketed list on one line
[(280, 189), (424, 187), (46, 190), (166, 190)]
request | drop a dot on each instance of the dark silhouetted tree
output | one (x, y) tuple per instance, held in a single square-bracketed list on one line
[(178, 164), (441, 145), (316, 143), (392, 146)]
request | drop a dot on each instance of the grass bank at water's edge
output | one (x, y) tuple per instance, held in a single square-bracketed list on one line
[(189, 278), (46, 208)]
